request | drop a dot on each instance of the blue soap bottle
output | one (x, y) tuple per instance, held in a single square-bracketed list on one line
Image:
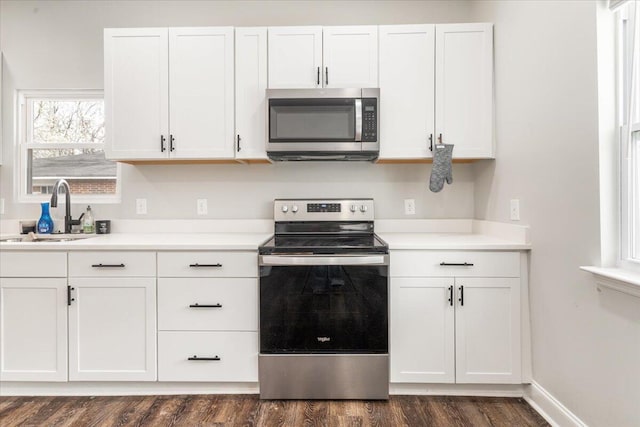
[(45, 223)]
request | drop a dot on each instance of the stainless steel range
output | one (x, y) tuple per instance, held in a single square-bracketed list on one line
[(324, 276)]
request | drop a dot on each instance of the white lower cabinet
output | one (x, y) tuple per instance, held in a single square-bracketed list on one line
[(112, 329), (33, 329), (208, 316), (455, 329)]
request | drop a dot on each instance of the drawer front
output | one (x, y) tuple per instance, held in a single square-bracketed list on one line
[(452, 263), (112, 264), (33, 264), (208, 264), (235, 356), (208, 304)]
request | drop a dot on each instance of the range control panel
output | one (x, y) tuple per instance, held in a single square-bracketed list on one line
[(323, 210)]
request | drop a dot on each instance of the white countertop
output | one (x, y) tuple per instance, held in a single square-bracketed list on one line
[(148, 241), (451, 241)]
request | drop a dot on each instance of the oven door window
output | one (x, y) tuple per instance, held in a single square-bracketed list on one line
[(312, 120), (324, 309)]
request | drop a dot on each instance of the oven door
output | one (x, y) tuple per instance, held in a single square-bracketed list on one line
[(324, 304)]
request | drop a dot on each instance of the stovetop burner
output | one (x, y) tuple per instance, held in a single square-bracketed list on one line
[(324, 244)]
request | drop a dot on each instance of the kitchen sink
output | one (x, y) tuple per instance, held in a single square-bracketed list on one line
[(47, 238)]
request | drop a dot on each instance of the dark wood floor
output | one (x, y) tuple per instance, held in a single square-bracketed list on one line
[(248, 410)]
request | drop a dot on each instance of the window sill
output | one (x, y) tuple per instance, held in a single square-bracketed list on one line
[(617, 279)]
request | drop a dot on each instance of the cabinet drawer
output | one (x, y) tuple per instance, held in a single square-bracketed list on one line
[(235, 356), (112, 264), (33, 264), (208, 264), (439, 264), (232, 304)]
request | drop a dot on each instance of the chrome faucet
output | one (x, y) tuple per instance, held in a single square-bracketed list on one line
[(68, 221)]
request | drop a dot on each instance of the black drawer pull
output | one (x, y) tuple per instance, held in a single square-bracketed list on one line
[(453, 264), (107, 265), (196, 265), (196, 305), (203, 358)]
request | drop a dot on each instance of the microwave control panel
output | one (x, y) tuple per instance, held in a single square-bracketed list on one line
[(369, 119)]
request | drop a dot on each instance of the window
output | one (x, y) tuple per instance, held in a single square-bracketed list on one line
[(61, 135), (629, 125)]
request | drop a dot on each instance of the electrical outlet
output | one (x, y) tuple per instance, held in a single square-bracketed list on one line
[(514, 209), (141, 206), (202, 206), (409, 206), (1, 206)]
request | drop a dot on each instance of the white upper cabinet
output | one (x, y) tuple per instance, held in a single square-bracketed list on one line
[(169, 93), (407, 66), (136, 79), (436, 85), (464, 88), (295, 57), (251, 83), (201, 93), (350, 56), (312, 57)]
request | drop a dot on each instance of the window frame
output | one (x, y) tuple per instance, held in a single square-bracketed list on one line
[(23, 144), (628, 153)]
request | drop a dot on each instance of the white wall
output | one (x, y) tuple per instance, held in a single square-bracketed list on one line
[(58, 44), (586, 344)]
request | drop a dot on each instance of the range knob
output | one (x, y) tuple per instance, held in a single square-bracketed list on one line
[(363, 208), (294, 208), (285, 209), (354, 208)]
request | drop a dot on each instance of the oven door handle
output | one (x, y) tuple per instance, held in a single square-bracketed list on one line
[(269, 260)]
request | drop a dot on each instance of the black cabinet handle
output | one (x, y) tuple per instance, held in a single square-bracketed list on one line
[(69, 299), (461, 299), (238, 143), (318, 77), (196, 305), (203, 358), (430, 142), (440, 139), (326, 75), (162, 141), (451, 296), (454, 264), (171, 146), (107, 265), (196, 265)]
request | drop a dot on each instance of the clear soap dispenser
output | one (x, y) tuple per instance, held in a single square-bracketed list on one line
[(88, 224)]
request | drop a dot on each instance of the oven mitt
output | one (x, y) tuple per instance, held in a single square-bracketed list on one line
[(441, 170)]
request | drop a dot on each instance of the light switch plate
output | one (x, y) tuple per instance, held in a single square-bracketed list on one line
[(202, 206), (1, 206), (141, 206)]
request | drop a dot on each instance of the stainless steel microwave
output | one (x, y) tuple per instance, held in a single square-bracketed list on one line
[(323, 124)]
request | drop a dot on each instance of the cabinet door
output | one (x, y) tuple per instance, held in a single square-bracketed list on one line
[(464, 88), (295, 57), (33, 329), (350, 56), (488, 331), (251, 83), (407, 66), (422, 330), (136, 82), (201, 92), (112, 329)]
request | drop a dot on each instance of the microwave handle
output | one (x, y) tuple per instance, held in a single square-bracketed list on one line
[(358, 120)]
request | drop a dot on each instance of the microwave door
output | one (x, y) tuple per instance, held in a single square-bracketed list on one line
[(322, 120)]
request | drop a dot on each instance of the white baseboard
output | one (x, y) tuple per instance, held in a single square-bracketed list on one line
[(485, 390), (104, 388), (550, 408)]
